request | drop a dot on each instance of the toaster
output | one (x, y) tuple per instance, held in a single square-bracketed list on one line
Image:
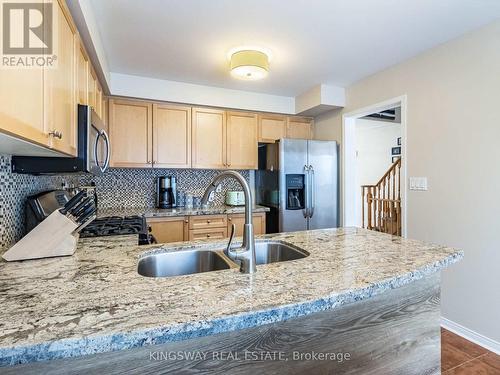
[(235, 198)]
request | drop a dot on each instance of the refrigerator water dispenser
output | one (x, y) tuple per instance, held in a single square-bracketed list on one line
[(295, 192)]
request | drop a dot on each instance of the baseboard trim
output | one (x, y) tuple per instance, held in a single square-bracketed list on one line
[(470, 335)]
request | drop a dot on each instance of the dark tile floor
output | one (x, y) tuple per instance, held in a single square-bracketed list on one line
[(462, 357)]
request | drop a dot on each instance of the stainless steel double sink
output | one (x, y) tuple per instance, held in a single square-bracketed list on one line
[(185, 262)]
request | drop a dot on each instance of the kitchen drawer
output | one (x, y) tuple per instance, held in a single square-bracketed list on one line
[(207, 221), (204, 234)]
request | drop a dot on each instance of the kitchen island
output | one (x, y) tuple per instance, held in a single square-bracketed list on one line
[(364, 299)]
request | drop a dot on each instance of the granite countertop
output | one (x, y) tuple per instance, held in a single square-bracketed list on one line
[(94, 301), (178, 211)]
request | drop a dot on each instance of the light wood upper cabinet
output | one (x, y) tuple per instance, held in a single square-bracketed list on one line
[(21, 104), (39, 105), (82, 75), (60, 87), (299, 127), (162, 135), (271, 128), (104, 114), (241, 140), (98, 99), (209, 138), (130, 128), (171, 136), (92, 88)]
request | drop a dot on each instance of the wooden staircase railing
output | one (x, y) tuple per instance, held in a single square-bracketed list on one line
[(381, 203)]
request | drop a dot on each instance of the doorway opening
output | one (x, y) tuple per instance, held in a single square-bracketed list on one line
[(374, 167)]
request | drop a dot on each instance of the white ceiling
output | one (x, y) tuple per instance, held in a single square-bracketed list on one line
[(335, 42)]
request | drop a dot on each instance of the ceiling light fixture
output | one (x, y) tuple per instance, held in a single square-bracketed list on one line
[(249, 64)]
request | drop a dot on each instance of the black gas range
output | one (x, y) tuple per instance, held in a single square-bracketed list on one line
[(119, 225)]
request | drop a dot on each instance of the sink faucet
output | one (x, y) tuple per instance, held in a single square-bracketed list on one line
[(246, 253)]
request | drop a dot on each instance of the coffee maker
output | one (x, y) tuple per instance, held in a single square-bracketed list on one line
[(165, 192)]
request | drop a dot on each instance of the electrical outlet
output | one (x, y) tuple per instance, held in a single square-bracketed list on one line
[(211, 197)]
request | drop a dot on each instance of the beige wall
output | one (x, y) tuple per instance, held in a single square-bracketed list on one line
[(453, 130)]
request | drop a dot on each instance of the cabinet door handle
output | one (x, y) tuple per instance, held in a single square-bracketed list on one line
[(208, 221), (56, 134), (208, 236), (229, 219)]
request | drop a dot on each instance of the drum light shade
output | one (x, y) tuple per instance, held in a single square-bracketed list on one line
[(249, 65)]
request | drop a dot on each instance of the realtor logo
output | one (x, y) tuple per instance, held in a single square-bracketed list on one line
[(27, 34)]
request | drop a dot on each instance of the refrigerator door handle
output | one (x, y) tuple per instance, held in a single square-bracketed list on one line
[(311, 187), (305, 211)]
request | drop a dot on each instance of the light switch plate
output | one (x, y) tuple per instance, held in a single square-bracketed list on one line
[(418, 183)]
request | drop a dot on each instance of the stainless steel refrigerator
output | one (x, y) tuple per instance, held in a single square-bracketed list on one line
[(298, 180)]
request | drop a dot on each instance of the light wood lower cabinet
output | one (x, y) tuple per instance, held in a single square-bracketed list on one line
[(258, 220), (191, 228), (169, 229)]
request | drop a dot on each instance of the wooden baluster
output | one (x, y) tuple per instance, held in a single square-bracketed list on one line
[(380, 195), (399, 185), (370, 207), (391, 222), (362, 206), (386, 214), (393, 174), (374, 207)]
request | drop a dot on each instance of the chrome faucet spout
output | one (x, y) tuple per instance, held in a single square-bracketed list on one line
[(246, 253)]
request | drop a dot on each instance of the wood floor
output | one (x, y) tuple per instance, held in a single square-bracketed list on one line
[(462, 357)]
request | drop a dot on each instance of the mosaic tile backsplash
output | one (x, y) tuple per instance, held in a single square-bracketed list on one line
[(123, 188)]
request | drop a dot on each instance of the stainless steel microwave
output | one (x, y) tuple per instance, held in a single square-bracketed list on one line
[(94, 151)]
